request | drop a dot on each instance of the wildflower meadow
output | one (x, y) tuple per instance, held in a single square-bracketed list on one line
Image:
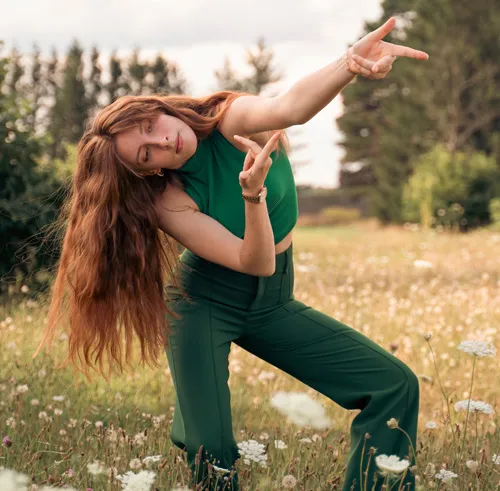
[(430, 298)]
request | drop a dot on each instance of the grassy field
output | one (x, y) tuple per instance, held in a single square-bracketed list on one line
[(393, 285)]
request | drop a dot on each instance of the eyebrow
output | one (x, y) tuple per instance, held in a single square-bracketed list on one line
[(140, 146)]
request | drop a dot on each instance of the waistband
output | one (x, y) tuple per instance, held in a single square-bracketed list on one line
[(213, 282)]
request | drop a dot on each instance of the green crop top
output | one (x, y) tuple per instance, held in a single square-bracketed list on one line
[(210, 178)]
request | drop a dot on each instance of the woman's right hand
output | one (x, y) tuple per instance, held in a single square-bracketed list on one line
[(257, 163)]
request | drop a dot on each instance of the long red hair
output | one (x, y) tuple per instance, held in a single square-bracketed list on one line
[(115, 262)]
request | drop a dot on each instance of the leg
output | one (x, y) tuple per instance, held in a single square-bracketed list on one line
[(197, 352), (350, 369)]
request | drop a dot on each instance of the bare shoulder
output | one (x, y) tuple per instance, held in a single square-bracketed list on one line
[(226, 127)]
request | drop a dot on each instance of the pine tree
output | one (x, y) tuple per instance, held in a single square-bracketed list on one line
[(117, 85), (94, 84), (164, 77), (35, 86), (71, 106), (263, 73), (450, 98), (16, 71), (137, 71)]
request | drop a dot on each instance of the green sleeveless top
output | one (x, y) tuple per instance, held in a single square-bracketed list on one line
[(210, 178)]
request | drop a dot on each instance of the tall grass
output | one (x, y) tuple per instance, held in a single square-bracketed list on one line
[(393, 285)]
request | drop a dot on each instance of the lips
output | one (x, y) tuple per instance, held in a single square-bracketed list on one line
[(178, 143)]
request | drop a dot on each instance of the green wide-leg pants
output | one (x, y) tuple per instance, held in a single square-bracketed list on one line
[(261, 315)]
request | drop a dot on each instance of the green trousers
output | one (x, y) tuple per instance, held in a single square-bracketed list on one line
[(261, 315)]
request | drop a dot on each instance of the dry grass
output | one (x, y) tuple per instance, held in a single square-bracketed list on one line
[(365, 277)]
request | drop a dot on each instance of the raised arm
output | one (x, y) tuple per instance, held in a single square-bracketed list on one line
[(370, 57)]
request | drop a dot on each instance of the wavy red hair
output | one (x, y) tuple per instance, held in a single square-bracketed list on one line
[(115, 262)]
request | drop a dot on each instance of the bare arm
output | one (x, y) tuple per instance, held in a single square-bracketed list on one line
[(210, 240), (370, 57)]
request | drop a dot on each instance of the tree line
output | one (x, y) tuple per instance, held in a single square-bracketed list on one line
[(425, 141), (44, 106)]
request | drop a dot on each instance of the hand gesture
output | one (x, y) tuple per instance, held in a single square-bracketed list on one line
[(257, 163), (373, 58)]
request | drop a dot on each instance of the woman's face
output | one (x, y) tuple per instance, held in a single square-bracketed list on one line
[(162, 142)]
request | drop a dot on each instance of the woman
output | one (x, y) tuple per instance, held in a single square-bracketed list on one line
[(172, 163)]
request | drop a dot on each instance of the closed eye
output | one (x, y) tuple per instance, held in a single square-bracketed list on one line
[(150, 128)]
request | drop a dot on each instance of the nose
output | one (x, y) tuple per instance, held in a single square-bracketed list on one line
[(166, 143)]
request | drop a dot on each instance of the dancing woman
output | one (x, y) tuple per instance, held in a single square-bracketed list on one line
[(213, 174)]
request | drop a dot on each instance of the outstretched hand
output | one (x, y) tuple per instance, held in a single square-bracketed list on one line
[(373, 58)]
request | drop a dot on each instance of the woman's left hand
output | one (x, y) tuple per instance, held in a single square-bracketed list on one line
[(373, 58)]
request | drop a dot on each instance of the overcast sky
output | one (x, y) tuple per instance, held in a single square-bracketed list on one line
[(197, 34)]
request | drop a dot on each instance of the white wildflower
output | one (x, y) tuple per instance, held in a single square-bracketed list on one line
[(98, 424), (58, 398), (474, 406), (21, 389), (25, 289), (142, 481), (289, 482), (264, 436), (496, 459), (11, 422), (472, 465), (391, 463), (420, 263), (477, 348), (280, 444), (139, 439), (305, 440), (445, 475), (392, 423), (301, 409), (254, 451), (431, 425), (34, 402), (97, 467), (11, 480), (58, 412)]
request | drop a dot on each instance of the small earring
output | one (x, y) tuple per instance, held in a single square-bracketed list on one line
[(160, 173)]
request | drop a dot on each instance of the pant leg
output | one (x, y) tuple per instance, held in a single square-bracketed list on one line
[(350, 369), (197, 351)]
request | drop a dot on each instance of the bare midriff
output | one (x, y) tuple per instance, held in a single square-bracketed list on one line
[(284, 244)]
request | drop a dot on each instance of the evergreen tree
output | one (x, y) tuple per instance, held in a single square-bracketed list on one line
[(137, 72), (450, 98), (71, 106), (117, 85), (35, 86), (28, 201), (263, 73), (16, 71), (94, 84), (164, 77)]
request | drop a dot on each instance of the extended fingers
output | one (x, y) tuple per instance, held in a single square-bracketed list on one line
[(407, 52), (250, 144), (383, 30)]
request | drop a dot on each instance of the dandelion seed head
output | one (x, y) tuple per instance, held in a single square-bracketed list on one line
[(289, 482), (391, 464)]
